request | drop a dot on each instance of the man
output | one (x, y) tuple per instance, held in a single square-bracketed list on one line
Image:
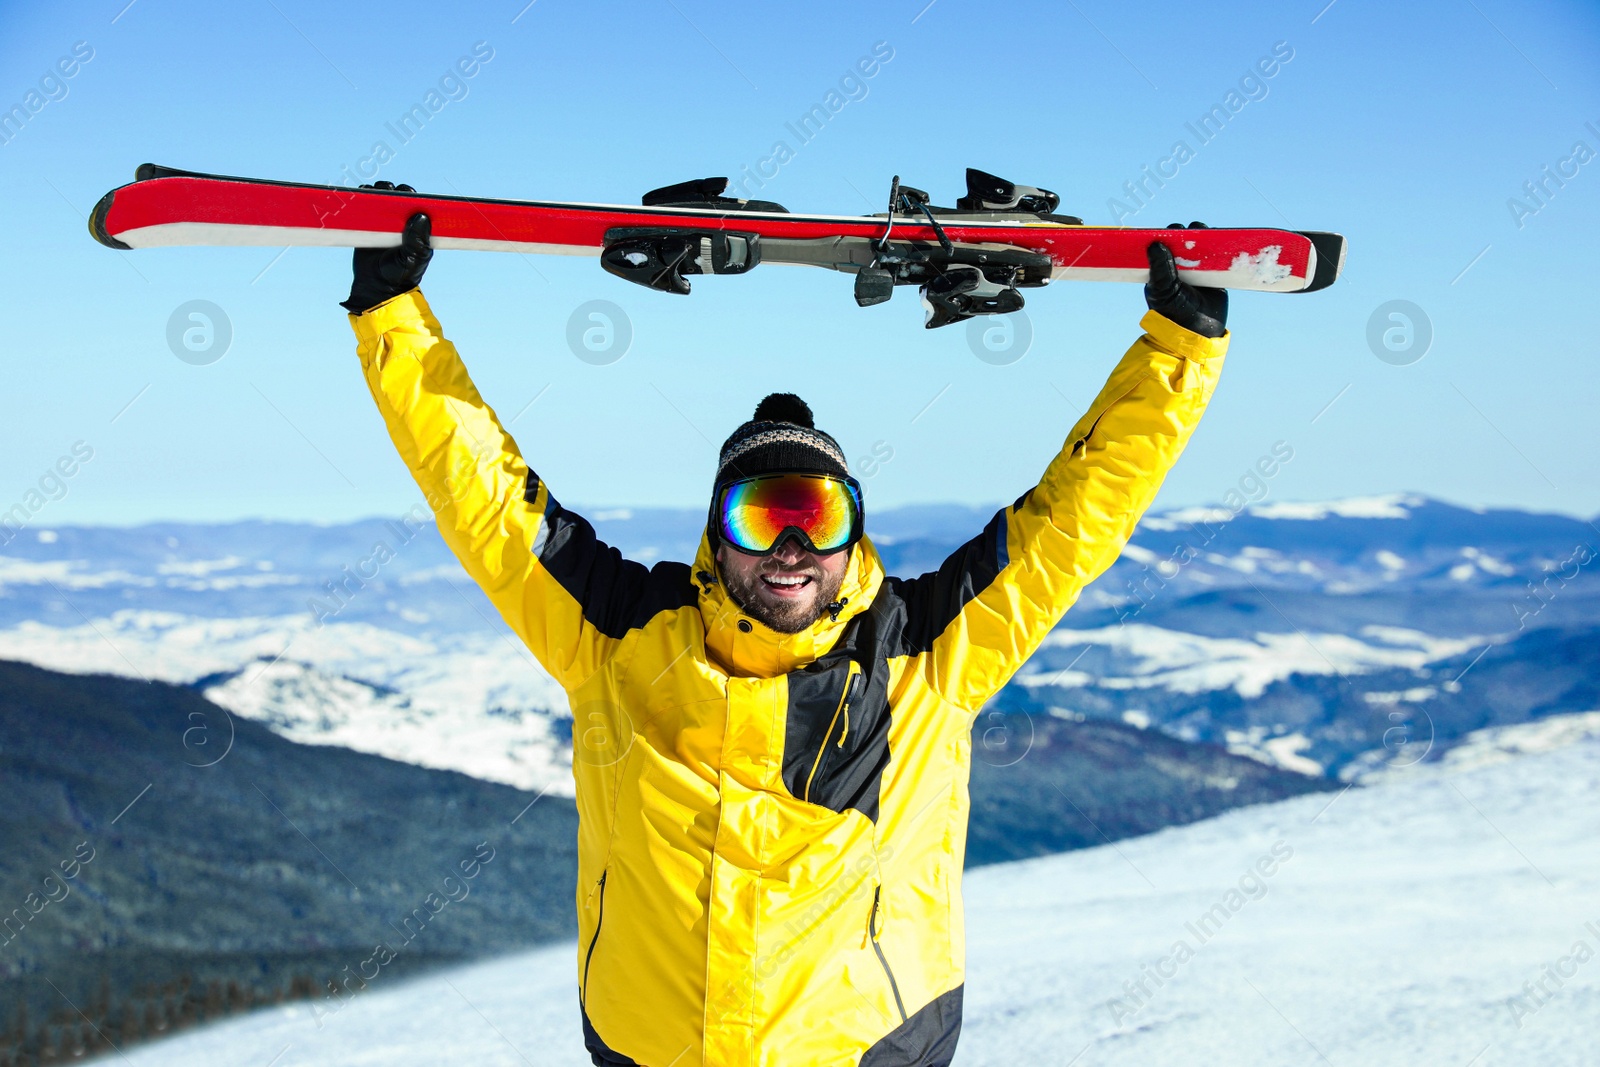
[(771, 745)]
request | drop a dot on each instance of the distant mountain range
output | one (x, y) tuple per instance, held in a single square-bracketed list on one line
[(1329, 639)]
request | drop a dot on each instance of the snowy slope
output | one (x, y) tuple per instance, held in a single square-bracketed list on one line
[(1398, 925)]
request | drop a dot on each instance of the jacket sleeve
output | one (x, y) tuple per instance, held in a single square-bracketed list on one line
[(982, 614), (553, 581)]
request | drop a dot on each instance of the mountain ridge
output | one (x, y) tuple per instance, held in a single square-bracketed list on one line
[(1275, 595)]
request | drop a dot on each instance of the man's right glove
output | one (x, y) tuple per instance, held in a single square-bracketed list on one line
[(1202, 311), (382, 274)]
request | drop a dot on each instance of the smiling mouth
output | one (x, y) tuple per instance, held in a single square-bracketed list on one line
[(785, 585)]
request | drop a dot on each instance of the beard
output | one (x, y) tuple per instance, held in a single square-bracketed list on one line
[(788, 616)]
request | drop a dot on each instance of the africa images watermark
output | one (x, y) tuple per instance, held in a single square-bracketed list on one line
[(338, 592), (1251, 886), (1555, 580), (49, 486), (811, 921), (52, 87), (1540, 190), (55, 889), (1251, 488), (599, 332), (851, 87), (450, 86), (353, 578), (1153, 177), (1536, 993), (349, 983)]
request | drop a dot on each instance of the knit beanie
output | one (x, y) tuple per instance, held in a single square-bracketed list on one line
[(780, 438)]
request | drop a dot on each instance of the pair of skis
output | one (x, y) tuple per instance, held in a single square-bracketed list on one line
[(972, 259)]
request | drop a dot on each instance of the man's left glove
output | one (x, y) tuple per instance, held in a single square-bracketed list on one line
[(1195, 308), (384, 273)]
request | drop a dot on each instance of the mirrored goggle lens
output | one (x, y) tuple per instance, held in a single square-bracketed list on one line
[(755, 513)]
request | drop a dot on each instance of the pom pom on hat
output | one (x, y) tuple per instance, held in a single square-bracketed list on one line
[(784, 407)]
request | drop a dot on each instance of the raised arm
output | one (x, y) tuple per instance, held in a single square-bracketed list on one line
[(993, 601), (564, 592)]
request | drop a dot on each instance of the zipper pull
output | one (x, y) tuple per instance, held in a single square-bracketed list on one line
[(852, 690)]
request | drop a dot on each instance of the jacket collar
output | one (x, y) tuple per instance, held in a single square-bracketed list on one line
[(763, 652)]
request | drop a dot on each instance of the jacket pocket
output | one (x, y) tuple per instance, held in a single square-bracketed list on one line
[(838, 727), (588, 956), (873, 930)]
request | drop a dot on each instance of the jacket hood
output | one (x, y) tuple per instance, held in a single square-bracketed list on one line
[(764, 652)]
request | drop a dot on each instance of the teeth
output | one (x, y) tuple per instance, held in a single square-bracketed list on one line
[(776, 579)]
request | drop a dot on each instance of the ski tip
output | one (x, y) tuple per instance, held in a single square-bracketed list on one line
[(97, 223), (147, 171), (1330, 258)]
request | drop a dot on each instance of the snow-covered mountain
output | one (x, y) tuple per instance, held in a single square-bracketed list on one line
[(1450, 915), (1317, 637)]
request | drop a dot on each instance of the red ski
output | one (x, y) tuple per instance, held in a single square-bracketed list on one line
[(968, 260)]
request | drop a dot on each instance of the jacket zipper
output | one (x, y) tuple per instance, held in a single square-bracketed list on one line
[(872, 934), (583, 995), (851, 684)]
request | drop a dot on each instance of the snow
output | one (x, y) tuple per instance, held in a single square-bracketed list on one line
[(1191, 516), (1395, 933), (1401, 924), (1263, 266), (1431, 647), (68, 574), (1488, 563), (1275, 750), (1391, 506), (513, 746), (1499, 744), (1141, 555), (477, 703), (1285, 752), (199, 568), (1193, 663), (1415, 695)]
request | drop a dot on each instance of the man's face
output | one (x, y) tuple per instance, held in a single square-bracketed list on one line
[(787, 589)]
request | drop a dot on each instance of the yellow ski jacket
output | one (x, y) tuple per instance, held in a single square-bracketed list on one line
[(771, 827)]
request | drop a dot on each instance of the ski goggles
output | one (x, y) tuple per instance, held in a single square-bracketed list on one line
[(755, 514)]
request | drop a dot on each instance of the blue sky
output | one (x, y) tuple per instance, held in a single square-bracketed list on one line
[(1407, 127)]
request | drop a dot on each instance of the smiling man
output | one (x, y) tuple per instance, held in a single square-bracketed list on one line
[(771, 744), (784, 509)]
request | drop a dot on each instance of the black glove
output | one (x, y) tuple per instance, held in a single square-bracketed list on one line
[(1203, 311), (384, 273)]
